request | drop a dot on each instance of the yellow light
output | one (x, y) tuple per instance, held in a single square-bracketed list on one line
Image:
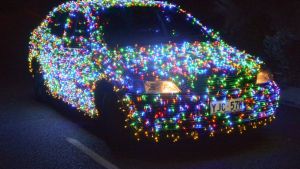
[(263, 77), (155, 87)]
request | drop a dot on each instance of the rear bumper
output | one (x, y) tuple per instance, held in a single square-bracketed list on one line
[(181, 115)]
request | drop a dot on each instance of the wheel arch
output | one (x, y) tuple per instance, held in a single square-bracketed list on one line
[(106, 86)]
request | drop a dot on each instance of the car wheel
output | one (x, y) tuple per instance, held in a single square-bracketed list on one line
[(111, 118), (40, 90)]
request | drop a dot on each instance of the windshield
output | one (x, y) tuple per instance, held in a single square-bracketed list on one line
[(147, 26)]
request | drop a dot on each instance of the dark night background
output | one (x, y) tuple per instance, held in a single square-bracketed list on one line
[(269, 29)]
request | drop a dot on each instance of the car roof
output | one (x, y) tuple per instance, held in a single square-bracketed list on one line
[(83, 5), (110, 3)]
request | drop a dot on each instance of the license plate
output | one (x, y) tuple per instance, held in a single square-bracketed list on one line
[(232, 105)]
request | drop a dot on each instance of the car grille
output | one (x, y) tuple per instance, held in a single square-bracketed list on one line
[(232, 84)]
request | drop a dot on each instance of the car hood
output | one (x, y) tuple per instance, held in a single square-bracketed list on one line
[(181, 63)]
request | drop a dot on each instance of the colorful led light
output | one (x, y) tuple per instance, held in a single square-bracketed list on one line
[(225, 72)]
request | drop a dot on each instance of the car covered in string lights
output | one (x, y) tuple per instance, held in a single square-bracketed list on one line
[(149, 67)]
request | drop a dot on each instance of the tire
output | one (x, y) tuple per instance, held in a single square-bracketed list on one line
[(40, 90), (111, 118)]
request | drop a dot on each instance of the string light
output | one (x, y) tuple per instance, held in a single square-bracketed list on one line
[(222, 71)]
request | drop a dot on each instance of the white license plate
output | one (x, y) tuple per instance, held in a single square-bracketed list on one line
[(233, 105)]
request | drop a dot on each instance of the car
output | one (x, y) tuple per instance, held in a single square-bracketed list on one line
[(151, 68)]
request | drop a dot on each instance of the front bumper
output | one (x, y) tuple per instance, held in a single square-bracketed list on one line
[(178, 115)]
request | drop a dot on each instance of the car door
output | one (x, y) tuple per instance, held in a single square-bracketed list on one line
[(51, 49), (71, 55)]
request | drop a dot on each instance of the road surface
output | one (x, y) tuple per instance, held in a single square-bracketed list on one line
[(37, 135)]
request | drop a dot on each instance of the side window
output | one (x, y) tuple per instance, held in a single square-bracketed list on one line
[(77, 26), (130, 26), (57, 23)]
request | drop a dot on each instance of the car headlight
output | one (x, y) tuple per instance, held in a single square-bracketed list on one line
[(264, 77), (164, 87)]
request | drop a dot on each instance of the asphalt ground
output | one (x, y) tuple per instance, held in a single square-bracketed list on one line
[(42, 135)]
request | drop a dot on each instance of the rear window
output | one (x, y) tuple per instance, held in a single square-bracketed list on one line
[(78, 25), (74, 23), (57, 23)]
